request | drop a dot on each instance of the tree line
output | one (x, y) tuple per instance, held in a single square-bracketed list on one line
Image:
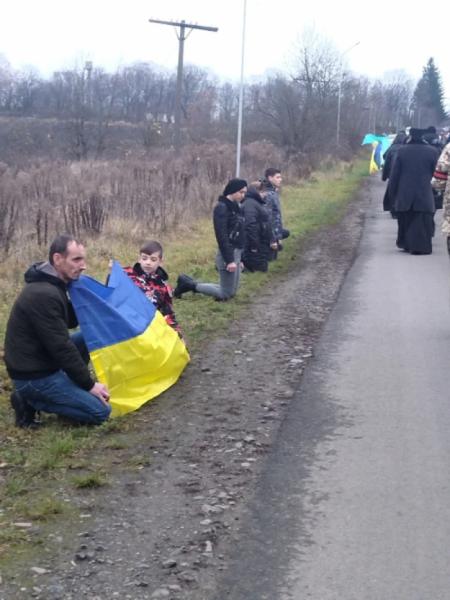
[(296, 111)]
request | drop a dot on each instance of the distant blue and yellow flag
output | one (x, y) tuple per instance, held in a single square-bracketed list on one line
[(135, 353), (374, 166), (380, 143)]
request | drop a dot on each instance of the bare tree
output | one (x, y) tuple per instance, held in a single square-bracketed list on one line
[(392, 97), (6, 85), (199, 101)]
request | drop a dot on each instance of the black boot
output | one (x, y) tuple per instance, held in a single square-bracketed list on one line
[(184, 284), (25, 413)]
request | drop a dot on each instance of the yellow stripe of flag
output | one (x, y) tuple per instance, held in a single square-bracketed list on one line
[(138, 369)]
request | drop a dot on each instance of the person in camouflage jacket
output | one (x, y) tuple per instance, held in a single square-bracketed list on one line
[(439, 183)]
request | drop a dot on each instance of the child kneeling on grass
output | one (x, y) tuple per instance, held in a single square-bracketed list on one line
[(149, 275)]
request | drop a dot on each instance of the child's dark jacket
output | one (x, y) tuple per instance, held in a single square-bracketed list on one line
[(155, 287)]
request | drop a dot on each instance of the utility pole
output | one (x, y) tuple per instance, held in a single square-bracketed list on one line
[(182, 36)]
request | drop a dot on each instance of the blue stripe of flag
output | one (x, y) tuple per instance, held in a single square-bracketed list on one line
[(112, 313)]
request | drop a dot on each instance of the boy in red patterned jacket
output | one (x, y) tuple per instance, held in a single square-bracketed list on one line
[(149, 275)]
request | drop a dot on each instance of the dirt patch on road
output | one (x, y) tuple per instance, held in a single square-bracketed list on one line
[(163, 527)]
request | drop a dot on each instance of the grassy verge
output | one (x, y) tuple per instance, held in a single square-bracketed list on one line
[(43, 472)]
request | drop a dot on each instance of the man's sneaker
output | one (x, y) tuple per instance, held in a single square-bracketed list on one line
[(184, 284), (25, 414)]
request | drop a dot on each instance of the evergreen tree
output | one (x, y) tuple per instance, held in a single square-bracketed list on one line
[(428, 99)]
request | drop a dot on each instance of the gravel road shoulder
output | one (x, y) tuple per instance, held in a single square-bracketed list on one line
[(164, 529)]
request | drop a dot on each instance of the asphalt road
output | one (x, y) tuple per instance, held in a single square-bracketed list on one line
[(354, 503)]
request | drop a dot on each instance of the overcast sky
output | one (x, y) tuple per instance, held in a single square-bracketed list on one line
[(56, 34)]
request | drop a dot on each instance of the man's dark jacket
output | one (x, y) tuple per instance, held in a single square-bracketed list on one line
[(410, 178), (258, 232), (228, 219), (273, 202), (37, 341), (389, 158)]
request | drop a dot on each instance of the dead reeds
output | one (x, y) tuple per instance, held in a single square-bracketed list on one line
[(153, 194)]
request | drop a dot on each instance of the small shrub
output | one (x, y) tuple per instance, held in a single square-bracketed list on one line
[(41, 509), (91, 480)]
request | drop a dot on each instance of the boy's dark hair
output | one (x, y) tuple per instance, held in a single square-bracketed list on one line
[(60, 244), (270, 172), (151, 247)]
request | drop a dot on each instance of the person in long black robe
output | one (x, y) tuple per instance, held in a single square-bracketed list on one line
[(389, 157), (410, 188)]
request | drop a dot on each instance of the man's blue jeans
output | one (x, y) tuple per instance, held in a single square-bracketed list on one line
[(58, 394)]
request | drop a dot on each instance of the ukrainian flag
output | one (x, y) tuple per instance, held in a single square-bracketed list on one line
[(373, 165), (380, 143), (135, 353)]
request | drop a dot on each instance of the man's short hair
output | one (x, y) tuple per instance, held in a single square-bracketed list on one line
[(271, 171), (60, 244), (152, 247)]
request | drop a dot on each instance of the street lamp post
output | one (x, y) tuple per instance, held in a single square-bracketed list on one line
[(338, 120), (241, 97)]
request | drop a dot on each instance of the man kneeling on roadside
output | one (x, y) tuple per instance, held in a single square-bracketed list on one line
[(48, 366)]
